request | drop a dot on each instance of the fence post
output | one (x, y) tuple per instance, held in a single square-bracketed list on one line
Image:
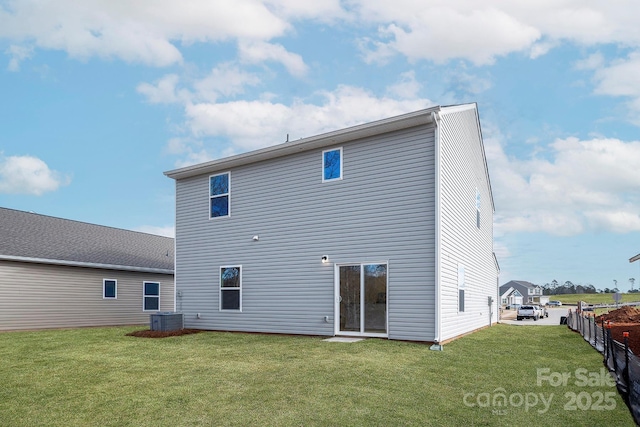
[(604, 343), (626, 365), (612, 349)]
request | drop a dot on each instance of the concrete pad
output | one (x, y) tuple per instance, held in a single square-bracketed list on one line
[(343, 339)]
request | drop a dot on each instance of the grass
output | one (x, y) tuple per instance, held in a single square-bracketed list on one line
[(593, 298), (100, 377)]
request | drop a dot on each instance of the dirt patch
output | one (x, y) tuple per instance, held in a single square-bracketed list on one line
[(162, 334), (634, 336), (624, 319), (624, 314)]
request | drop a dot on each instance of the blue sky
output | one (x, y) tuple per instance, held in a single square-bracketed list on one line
[(98, 98)]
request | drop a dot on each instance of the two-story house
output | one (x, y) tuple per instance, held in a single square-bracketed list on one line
[(383, 229), (522, 292)]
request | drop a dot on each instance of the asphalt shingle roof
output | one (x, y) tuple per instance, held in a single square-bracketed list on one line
[(30, 236)]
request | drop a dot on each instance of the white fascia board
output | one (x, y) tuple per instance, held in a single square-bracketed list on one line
[(85, 264), (507, 293), (311, 143)]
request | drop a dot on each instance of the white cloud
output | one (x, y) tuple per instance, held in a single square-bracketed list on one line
[(18, 54), (190, 151), (407, 88), (323, 10), (163, 91), (481, 31), (28, 175), (622, 78), (153, 31), (167, 231), (259, 123), (227, 80), (260, 51), (142, 31), (584, 185), (591, 62)]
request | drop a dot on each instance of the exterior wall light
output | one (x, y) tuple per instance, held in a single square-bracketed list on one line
[(256, 238), (325, 259)]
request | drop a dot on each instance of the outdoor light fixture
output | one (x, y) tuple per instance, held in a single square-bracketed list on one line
[(325, 259), (256, 238)]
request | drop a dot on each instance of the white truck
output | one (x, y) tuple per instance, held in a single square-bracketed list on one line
[(528, 312)]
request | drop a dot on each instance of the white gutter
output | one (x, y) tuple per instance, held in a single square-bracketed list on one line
[(85, 264), (438, 275)]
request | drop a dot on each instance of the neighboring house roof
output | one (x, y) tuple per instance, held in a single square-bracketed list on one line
[(635, 258), (404, 121), (521, 283), (510, 291), (30, 237)]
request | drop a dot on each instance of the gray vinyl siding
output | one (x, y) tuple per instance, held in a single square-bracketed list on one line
[(462, 170), (381, 211), (38, 296)]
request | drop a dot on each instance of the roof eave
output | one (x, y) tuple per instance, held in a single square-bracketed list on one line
[(86, 264), (341, 136)]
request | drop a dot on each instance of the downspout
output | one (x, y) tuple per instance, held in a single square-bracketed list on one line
[(438, 298), (175, 252)]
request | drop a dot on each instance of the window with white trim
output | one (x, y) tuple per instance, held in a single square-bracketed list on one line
[(219, 195), (332, 165), (151, 296), (231, 288), (109, 289), (461, 286), (477, 208)]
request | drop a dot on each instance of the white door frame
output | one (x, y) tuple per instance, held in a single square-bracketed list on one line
[(336, 316)]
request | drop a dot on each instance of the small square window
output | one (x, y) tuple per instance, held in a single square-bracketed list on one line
[(151, 296), (332, 165), (230, 288), (219, 191), (110, 289)]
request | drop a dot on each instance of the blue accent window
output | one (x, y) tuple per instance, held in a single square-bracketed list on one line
[(151, 296), (332, 164), (230, 288), (219, 195), (109, 289)]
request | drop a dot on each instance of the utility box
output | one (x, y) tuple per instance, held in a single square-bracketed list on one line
[(166, 321)]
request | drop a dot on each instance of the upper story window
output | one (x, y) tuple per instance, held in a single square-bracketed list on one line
[(219, 192), (332, 164), (477, 208)]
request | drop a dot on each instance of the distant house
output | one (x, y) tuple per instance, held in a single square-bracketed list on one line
[(510, 296), (383, 229), (524, 292), (58, 273)]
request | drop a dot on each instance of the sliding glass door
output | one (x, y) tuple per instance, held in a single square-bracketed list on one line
[(362, 300)]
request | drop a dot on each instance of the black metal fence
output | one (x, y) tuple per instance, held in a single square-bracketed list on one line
[(618, 358)]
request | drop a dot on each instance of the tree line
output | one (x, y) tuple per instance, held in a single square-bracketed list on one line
[(568, 287)]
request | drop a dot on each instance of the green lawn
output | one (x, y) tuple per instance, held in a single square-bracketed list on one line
[(100, 377), (593, 298)]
